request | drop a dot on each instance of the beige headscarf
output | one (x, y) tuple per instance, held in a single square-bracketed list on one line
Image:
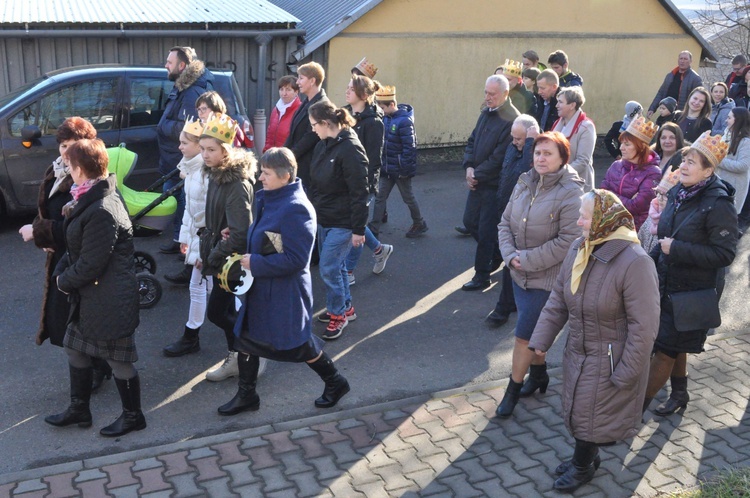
[(610, 220)]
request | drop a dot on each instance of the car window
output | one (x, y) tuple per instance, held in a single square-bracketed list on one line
[(27, 116), (94, 101), (148, 97)]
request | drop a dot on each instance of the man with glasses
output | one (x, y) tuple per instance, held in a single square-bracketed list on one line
[(191, 79), (735, 81)]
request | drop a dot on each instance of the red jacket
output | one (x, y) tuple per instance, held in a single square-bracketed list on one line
[(278, 130)]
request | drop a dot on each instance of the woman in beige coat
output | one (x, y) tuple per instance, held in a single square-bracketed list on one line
[(537, 228), (607, 290)]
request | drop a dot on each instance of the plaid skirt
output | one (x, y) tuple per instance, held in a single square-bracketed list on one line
[(122, 349)]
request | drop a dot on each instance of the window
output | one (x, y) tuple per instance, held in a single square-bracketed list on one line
[(94, 101), (148, 97)]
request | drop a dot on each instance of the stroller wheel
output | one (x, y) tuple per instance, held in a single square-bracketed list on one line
[(149, 290), (144, 262)]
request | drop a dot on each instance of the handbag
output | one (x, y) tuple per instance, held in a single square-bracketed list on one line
[(695, 310)]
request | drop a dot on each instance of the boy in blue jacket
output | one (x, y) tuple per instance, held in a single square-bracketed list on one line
[(399, 163)]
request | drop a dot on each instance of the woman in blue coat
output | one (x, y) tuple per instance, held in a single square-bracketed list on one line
[(275, 321)]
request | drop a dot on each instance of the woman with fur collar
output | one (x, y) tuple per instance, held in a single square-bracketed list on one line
[(229, 202)]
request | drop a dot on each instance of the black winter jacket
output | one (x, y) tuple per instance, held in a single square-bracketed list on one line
[(551, 115), (487, 144), (517, 162), (194, 81), (370, 131), (302, 138), (98, 271), (705, 239), (229, 203), (338, 182)]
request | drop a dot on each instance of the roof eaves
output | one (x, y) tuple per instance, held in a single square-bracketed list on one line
[(707, 50), (335, 29)]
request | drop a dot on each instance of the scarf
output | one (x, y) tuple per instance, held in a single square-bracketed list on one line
[(61, 171), (282, 107), (572, 126), (610, 220), (686, 193), (78, 190)]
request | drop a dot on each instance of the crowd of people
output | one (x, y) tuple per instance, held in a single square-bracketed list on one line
[(634, 263)]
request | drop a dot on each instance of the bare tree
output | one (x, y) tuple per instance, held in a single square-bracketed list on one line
[(726, 26)]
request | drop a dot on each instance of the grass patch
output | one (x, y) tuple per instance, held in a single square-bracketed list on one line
[(732, 483)]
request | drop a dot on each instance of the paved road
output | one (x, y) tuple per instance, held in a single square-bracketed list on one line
[(417, 333)]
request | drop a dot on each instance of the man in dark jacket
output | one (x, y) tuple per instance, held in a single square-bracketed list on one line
[(191, 79), (483, 159), (520, 97), (548, 84), (302, 139), (738, 64), (678, 83), (558, 62)]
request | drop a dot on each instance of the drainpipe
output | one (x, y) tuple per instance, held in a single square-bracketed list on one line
[(259, 118)]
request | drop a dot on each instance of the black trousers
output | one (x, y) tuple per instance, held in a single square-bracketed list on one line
[(221, 312)]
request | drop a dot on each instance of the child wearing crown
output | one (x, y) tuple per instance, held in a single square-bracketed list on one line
[(229, 199), (634, 177)]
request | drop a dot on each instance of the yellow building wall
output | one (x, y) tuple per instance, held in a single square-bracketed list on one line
[(438, 53)]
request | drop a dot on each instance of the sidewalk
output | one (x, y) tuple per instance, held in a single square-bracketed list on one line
[(447, 445)]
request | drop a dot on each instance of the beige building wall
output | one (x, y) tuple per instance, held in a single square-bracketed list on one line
[(438, 53)]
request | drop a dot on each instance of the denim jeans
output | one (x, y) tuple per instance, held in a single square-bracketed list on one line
[(179, 195), (480, 218), (356, 252), (530, 303), (407, 195), (334, 245)]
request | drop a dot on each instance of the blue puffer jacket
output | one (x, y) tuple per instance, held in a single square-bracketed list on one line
[(400, 149), (192, 82)]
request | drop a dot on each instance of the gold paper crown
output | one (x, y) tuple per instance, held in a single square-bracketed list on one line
[(668, 181), (366, 68), (711, 146), (386, 93), (512, 67), (642, 129), (240, 280), (221, 127), (194, 128)]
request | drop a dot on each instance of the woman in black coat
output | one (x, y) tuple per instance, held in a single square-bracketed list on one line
[(47, 233), (694, 119), (697, 239), (98, 275)]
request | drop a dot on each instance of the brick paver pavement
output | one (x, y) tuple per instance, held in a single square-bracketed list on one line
[(448, 444)]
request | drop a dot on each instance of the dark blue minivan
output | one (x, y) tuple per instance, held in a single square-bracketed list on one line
[(124, 103)]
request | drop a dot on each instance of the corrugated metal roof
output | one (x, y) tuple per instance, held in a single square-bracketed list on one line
[(324, 19), (143, 12)]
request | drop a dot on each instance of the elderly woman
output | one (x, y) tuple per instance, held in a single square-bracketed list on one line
[(606, 291), (47, 233), (338, 190), (721, 105), (697, 240), (98, 274), (693, 120), (281, 116), (580, 132), (276, 317), (634, 177), (735, 167), (537, 228)]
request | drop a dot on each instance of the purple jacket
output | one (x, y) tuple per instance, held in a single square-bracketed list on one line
[(634, 185)]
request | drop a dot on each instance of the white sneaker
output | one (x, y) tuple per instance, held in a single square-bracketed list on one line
[(350, 276), (382, 258), (228, 368), (262, 366)]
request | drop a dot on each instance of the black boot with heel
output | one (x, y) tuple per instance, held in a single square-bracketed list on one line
[(508, 404), (80, 394), (678, 398), (581, 469), (538, 379), (131, 418), (246, 398), (336, 385)]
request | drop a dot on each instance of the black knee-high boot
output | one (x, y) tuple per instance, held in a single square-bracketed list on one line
[(246, 398), (131, 418), (582, 467), (80, 393), (336, 385), (102, 371)]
